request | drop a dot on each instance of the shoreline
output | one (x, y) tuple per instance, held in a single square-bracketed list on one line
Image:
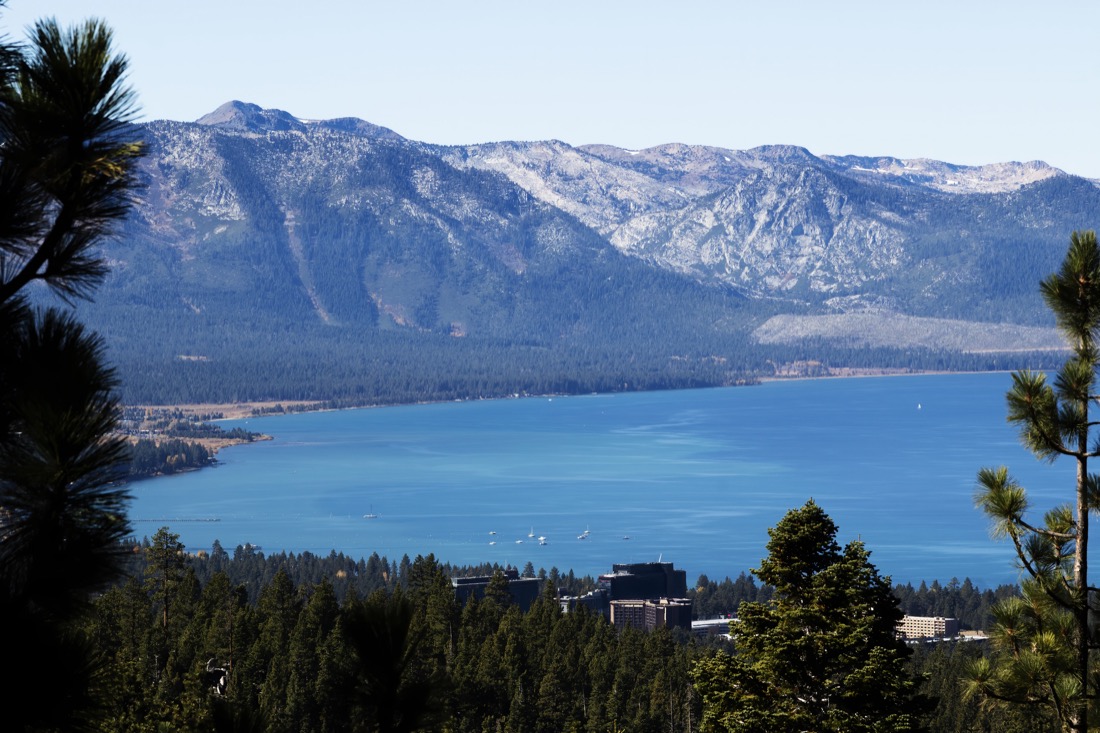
[(211, 444), (239, 410), (270, 408), (873, 373)]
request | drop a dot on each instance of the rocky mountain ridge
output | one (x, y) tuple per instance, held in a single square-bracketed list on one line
[(357, 243), (768, 221)]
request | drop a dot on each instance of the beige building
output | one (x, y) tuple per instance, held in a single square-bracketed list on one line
[(928, 627), (628, 614), (651, 614)]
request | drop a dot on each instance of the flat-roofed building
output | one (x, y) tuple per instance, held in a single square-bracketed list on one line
[(628, 613), (712, 627), (650, 614), (524, 591), (595, 601), (644, 580), (669, 613), (928, 627), (645, 595)]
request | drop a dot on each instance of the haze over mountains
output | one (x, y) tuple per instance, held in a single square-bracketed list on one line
[(273, 257)]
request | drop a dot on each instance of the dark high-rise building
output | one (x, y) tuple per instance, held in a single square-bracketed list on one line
[(524, 591), (645, 595), (644, 580)]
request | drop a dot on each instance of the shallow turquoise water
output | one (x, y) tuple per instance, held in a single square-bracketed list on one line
[(694, 477)]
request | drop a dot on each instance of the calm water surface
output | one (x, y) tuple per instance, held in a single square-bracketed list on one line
[(694, 477)]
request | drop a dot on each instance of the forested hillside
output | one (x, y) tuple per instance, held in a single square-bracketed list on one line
[(274, 258)]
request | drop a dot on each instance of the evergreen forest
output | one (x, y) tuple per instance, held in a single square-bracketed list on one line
[(232, 641)]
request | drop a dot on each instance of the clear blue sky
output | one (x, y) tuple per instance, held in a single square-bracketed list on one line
[(966, 81)]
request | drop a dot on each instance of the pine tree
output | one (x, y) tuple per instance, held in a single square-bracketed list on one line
[(392, 696), (121, 628), (315, 624), (279, 607), (1043, 642), (823, 654), (164, 570), (67, 157)]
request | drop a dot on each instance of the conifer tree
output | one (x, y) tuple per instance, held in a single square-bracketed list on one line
[(279, 607), (392, 696), (315, 624), (823, 654), (67, 167), (164, 570), (1044, 646), (67, 155)]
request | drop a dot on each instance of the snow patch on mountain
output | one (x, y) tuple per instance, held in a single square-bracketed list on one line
[(949, 178)]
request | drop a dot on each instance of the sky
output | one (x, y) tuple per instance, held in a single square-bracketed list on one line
[(967, 81)]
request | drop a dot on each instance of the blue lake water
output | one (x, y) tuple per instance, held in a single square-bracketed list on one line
[(694, 477)]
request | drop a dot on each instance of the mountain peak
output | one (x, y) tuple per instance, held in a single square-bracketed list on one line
[(784, 154), (239, 116), (245, 117)]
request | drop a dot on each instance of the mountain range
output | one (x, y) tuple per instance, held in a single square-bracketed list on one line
[(271, 257)]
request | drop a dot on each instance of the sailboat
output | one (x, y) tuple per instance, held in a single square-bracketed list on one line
[(531, 533), (371, 514)]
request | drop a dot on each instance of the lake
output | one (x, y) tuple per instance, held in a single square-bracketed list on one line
[(694, 477)]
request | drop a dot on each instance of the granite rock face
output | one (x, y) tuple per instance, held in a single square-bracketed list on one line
[(772, 221), (353, 223)]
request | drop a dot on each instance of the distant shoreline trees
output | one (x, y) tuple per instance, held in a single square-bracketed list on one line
[(149, 458)]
